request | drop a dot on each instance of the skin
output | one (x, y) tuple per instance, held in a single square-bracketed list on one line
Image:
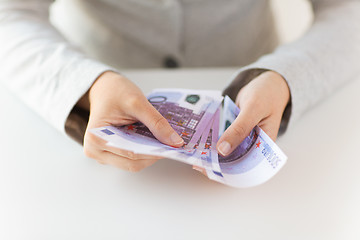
[(262, 102), (124, 104)]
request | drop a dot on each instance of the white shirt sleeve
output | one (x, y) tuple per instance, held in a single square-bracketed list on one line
[(322, 60), (39, 65)]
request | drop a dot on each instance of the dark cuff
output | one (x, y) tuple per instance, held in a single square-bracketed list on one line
[(76, 124)]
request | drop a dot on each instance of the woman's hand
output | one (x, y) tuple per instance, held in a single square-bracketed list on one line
[(262, 102), (115, 100)]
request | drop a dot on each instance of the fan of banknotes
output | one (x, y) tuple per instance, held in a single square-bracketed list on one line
[(199, 118)]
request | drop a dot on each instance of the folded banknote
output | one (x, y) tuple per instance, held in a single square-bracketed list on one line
[(196, 115)]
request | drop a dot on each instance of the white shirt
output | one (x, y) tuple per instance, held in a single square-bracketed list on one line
[(49, 74)]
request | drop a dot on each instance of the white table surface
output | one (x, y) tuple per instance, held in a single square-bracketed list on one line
[(50, 190)]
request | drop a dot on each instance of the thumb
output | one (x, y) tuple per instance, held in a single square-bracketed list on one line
[(237, 132), (158, 125)]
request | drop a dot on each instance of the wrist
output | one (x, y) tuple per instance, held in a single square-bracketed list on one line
[(84, 101), (281, 83)]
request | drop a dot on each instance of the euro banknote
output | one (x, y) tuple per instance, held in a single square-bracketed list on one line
[(255, 160), (189, 112), (195, 116)]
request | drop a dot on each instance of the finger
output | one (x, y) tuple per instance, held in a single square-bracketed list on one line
[(123, 163), (158, 125), (199, 169), (126, 164), (129, 154), (238, 131), (100, 144), (271, 126)]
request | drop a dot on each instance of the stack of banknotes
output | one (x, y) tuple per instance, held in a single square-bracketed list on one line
[(199, 118)]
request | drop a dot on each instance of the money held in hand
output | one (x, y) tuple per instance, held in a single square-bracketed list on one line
[(195, 116)]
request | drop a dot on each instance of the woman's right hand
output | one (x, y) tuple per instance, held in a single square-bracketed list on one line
[(115, 100)]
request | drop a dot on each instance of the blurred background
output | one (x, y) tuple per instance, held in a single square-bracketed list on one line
[(292, 18)]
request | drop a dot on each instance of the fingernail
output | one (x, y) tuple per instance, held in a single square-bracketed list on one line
[(176, 139), (224, 148)]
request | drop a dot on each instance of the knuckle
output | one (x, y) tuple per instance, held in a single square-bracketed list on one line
[(101, 161), (133, 101), (134, 167), (240, 131), (131, 155), (89, 153), (91, 138), (160, 123)]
